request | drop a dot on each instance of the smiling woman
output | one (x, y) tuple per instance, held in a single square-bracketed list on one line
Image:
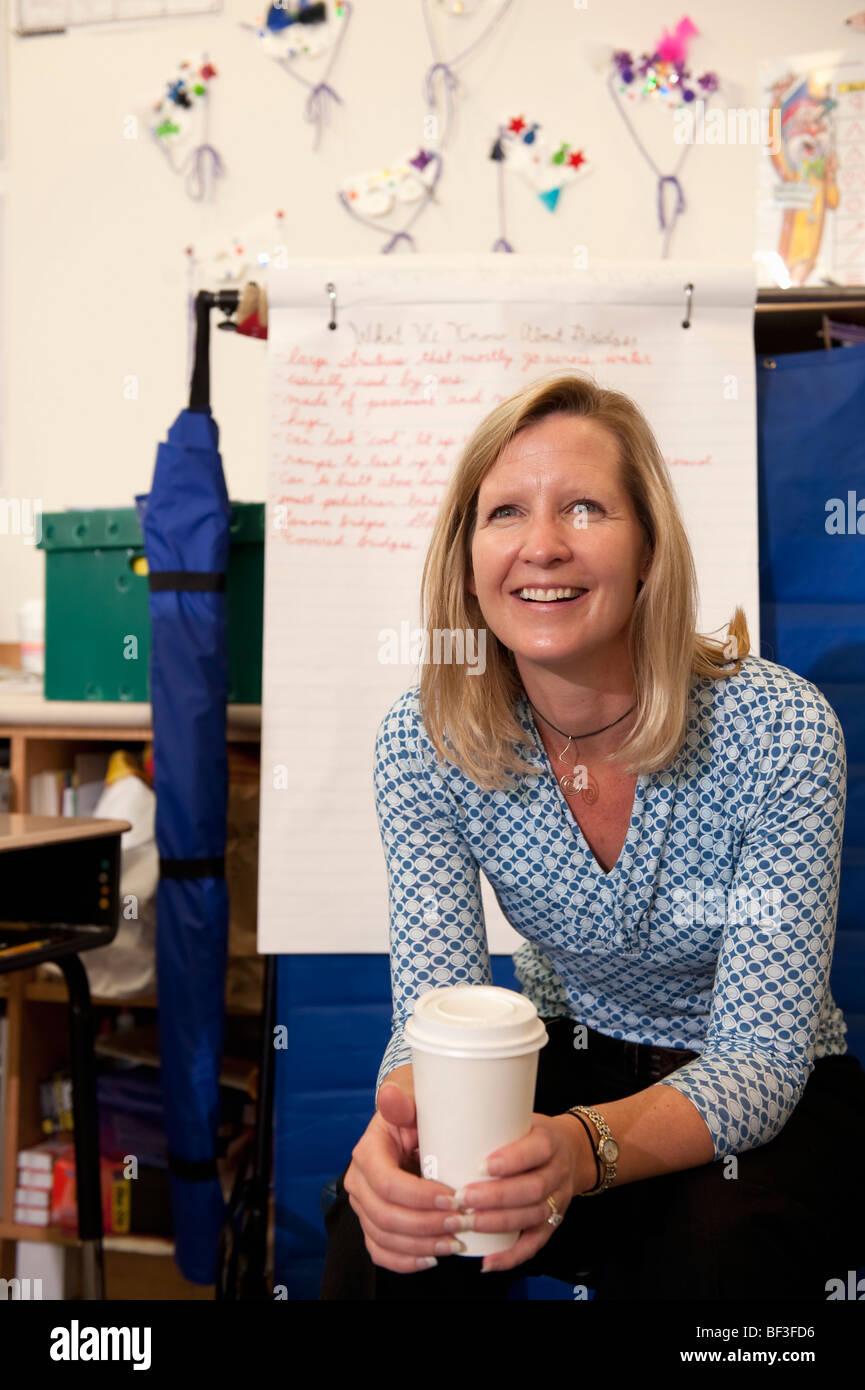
[(660, 817), (556, 576), (564, 484)]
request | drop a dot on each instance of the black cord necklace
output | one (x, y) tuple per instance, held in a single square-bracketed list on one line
[(571, 784)]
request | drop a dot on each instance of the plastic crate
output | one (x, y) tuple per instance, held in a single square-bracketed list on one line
[(97, 599)]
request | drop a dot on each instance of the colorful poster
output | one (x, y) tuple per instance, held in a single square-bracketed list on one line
[(811, 198)]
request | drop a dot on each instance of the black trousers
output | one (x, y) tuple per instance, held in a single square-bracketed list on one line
[(793, 1217)]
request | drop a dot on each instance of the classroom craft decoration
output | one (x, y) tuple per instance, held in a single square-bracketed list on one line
[(290, 34), (226, 259), (414, 177), (409, 180), (662, 75), (179, 125), (547, 163), (661, 78), (306, 31)]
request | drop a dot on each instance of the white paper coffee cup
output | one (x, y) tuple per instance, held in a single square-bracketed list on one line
[(474, 1066)]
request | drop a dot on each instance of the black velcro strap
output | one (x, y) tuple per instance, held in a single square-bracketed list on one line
[(199, 581), (201, 1170), (193, 868)]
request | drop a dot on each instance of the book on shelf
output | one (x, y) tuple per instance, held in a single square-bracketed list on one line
[(71, 791), (31, 1216), (55, 1103), (116, 1191), (38, 1197), (35, 1190)]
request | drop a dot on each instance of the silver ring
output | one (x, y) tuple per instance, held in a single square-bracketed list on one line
[(555, 1217)]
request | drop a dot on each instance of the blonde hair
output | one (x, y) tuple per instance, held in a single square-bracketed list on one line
[(471, 719)]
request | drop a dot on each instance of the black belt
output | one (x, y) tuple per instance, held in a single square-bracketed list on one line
[(645, 1062)]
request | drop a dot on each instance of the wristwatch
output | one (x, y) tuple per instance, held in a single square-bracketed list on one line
[(607, 1150)]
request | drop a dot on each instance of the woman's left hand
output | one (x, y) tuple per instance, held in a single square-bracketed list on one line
[(553, 1159)]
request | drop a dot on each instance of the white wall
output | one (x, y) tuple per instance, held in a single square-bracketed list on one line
[(94, 275)]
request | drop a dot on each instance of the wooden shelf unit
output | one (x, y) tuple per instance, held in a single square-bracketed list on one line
[(37, 1035)]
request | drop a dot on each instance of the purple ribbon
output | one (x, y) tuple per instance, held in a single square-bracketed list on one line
[(316, 108), (397, 236), (502, 245), (451, 84), (662, 178), (680, 199), (196, 181), (449, 75)]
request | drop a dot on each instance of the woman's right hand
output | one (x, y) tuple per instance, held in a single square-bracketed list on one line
[(403, 1229)]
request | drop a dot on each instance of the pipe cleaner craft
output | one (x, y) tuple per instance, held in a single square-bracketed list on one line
[(549, 165), (413, 178), (661, 78), (409, 180), (179, 125), (375, 192), (290, 35)]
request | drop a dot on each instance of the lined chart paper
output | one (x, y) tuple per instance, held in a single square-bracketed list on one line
[(366, 424)]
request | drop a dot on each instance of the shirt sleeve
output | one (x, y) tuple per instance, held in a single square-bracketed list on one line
[(437, 928), (539, 982), (778, 935)]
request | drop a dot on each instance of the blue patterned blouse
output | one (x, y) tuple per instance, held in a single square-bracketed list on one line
[(713, 931)]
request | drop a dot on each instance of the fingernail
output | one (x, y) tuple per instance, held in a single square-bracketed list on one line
[(460, 1199), (487, 1269), (449, 1247), (492, 1167), (447, 1204), (426, 1262), (461, 1223)]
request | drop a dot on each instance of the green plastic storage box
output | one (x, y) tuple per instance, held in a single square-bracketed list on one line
[(97, 598)]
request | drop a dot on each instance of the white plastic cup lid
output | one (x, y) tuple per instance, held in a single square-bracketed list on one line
[(475, 1021)]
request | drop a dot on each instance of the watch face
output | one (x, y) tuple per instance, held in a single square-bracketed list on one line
[(611, 1150)]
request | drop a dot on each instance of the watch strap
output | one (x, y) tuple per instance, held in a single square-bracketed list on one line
[(577, 1116), (604, 1133)]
